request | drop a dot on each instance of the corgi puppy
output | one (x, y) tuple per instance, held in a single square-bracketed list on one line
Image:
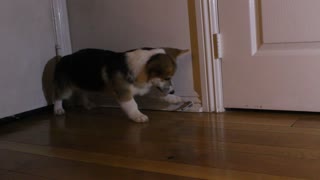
[(125, 74)]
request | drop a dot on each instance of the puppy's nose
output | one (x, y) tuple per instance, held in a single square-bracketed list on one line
[(171, 92)]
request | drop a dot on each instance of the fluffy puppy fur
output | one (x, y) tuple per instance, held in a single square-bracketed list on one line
[(126, 74)]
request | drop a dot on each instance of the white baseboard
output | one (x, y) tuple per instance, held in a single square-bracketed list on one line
[(186, 93)]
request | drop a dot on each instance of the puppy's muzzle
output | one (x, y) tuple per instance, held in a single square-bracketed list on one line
[(168, 90)]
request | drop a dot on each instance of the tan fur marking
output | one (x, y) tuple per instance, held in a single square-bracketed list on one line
[(138, 58), (142, 78), (125, 96), (162, 67), (174, 53)]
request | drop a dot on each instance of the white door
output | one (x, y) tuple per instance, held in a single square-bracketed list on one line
[(271, 56)]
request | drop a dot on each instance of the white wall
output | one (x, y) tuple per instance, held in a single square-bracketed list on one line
[(121, 25), (26, 44)]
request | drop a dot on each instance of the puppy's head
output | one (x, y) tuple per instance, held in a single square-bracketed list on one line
[(161, 68)]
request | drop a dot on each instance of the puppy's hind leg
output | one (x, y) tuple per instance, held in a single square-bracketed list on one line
[(86, 102), (60, 95)]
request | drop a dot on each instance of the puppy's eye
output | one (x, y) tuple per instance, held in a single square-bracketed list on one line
[(167, 79)]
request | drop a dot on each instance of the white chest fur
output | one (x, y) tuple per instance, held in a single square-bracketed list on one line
[(140, 90)]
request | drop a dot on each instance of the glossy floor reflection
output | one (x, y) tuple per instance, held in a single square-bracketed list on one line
[(104, 144)]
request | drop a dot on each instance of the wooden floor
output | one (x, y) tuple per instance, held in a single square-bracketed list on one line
[(103, 144)]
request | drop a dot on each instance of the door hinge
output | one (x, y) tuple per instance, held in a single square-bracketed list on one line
[(217, 42)]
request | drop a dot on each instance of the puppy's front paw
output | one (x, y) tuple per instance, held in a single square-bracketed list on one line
[(59, 111), (139, 117), (173, 99)]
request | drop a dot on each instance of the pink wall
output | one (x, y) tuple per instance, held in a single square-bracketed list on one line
[(27, 43)]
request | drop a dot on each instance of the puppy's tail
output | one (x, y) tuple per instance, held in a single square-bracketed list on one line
[(57, 58)]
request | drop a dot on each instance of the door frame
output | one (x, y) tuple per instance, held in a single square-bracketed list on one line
[(61, 25), (207, 25), (210, 67)]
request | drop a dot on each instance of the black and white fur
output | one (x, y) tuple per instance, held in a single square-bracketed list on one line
[(125, 74)]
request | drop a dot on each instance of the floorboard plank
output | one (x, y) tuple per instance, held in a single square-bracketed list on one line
[(240, 144), (199, 172)]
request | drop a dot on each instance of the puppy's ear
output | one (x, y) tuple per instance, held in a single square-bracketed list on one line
[(174, 53)]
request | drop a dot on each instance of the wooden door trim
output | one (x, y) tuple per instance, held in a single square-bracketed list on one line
[(210, 68), (61, 25)]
